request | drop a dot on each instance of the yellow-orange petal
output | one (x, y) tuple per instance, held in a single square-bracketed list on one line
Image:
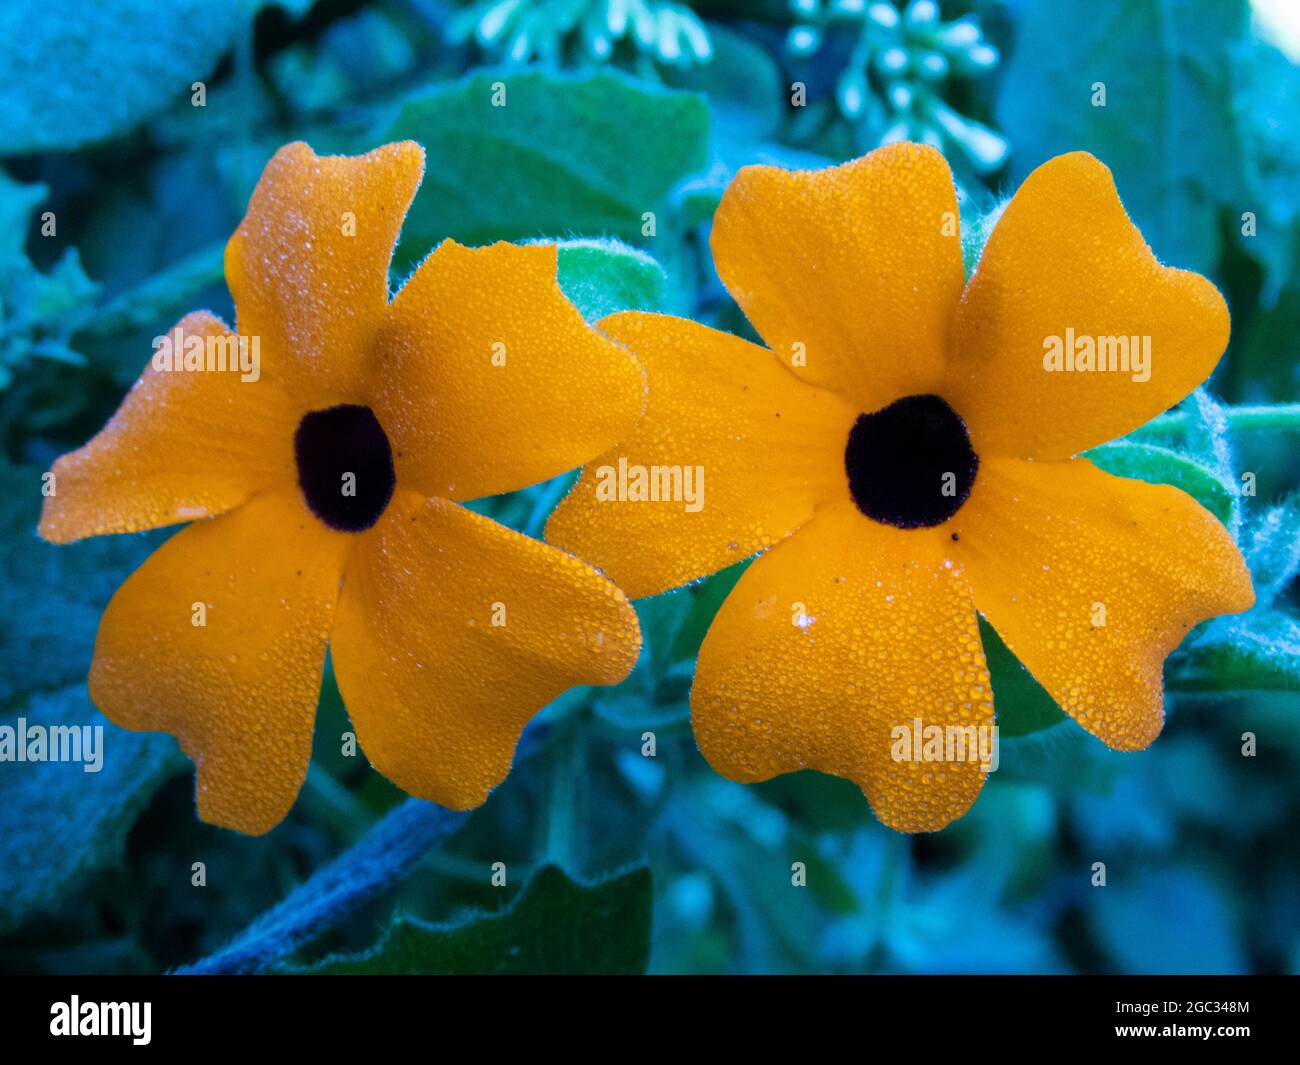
[(1065, 268), (839, 637), (851, 273), (453, 631), (1092, 580), (308, 265), (739, 451), (487, 378), (184, 444), (219, 639)]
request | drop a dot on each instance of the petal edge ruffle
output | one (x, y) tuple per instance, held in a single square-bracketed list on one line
[(1107, 578), (454, 631)]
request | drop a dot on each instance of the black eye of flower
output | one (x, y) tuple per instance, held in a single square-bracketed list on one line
[(910, 464), (345, 466)]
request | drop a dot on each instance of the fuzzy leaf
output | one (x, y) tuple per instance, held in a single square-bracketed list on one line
[(557, 926), (1063, 759), (603, 276), (59, 824), (1273, 550), (1258, 651), (72, 73), (38, 312), (585, 155), (50, 602), (50, 596)]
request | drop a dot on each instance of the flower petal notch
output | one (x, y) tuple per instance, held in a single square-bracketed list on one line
[(326, 502), (900, 459)]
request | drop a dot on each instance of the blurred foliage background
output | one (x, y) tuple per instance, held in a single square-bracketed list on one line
[(117, 193)]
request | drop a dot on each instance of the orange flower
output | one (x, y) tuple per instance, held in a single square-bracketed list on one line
[(902, 456), (336, 474)]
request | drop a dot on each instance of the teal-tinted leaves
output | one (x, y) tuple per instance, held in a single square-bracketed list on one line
[(557, 926), (163, 296), (1258, 650), (587, 155), (38, 312), (72, 73), (744, 85), (51, 597), (1143, 922), (1168, 128), (1267, 87), (17, 202), (59, 824), (1273, 550)]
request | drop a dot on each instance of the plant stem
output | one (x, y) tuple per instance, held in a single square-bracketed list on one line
[(1276, 416), (390, 850), (566, 766)]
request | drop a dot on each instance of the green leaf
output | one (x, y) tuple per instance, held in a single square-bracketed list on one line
[(1168, 130), (1258, 651), (975, 234), (708, 596), (1021, 704), (61, 824), (603, 276), (673, 626), (1160, 465), (1266, 417), (585, 155), (72, 73), (819, 802), (557, 926)]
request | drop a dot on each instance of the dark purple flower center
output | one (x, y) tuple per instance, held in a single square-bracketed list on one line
[(345, 466), (910, 464)]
